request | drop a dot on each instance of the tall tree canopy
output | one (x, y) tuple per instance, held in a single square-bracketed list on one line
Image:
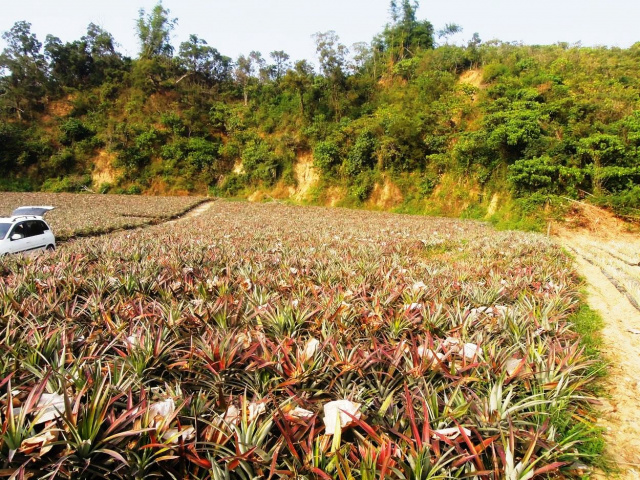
[(405, 35), (23, 63), (154, 32)]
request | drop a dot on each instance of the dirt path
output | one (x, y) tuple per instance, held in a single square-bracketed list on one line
[(191, 212), (600, 249), (196, 212)]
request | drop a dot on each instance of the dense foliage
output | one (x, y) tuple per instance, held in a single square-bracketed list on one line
[(549, 120), (213, 348)]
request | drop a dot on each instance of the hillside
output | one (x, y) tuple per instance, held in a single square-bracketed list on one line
[(490, 129)]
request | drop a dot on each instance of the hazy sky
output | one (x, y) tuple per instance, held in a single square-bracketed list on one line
[(238, 26)]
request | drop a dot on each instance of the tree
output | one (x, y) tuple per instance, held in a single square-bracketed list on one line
[(406, 34), (154, 32), (23, 66), (202, 61), (70, 64), (249, 69), (449, 30), (107, 62), (473, 52), (300, 79), (89, 60), (242, 72), (281, 63), (602, 150), (100, 42), (154, 64), (362, 56), (259, 67), (333, 57)]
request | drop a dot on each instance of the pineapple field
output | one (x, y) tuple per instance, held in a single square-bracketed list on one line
[(79, 215), (275, 341)]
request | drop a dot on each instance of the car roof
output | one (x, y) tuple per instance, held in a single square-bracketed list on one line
[(20, 217), (36, 211)]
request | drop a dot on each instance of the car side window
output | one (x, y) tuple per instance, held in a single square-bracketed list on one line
[(44, 226), (19, 229), (34, 227)]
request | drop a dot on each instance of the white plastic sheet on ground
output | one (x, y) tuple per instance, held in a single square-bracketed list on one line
[(159, 412), (173, 435), (49, 407), (335, 416), (301, 413), (310, 348), (451, 433)]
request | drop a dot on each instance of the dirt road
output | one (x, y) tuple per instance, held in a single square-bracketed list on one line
[(604, 254)]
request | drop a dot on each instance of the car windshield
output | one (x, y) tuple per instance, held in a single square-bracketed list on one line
[(4, 228)]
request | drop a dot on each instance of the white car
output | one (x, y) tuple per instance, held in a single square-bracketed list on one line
[(26, 231)]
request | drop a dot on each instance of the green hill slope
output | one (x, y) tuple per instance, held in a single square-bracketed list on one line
[(489, 129)]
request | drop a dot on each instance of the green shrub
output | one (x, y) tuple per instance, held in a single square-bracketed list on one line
[(360, 156), (260, 163), (12, 184), (231, 185), (63, 160), (362, 186), (73, 130), (173, 122), (326, 156), (493, 71), (71, 183), (427, 184), (201, 153), (134, 189)]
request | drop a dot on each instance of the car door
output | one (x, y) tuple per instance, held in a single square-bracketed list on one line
[(19, 244), (36, 233)]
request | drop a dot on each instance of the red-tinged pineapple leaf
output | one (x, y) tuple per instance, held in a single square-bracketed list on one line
[(153, 445), (287, 434), (129, 433), (6, 379), (467, 440), (412, 416), (400, 435), (113, 454), (167, 457), (201, 462), (365, 426), (320, 473), (274, 461), (549, 468), (287, 383)]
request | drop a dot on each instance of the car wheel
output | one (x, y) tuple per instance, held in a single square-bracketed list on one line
[(50, 248)]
